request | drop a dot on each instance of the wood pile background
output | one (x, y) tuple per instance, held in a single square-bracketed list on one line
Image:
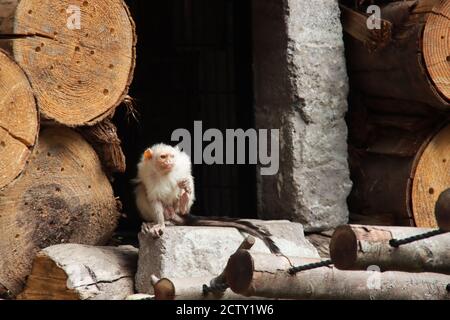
[(399, 128), (59, 88)]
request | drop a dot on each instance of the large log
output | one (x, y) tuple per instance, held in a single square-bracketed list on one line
[(79, 75), (414, 66), (255, 274), (63, 196), (399, 166), (19, 124), (356, 247), (79, 272)]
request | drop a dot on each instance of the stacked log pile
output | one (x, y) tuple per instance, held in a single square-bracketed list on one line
[(367, 262), (59, 86), (399, 110)]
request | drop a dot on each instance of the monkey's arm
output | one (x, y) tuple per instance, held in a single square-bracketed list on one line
[(187, 195)]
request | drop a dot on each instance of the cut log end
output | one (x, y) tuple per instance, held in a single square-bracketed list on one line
[(442, 211), (18, 120), (80, 72), (164, 290), (436, 47), (343, 247), (239, 271), (431, 177), (47, 281)]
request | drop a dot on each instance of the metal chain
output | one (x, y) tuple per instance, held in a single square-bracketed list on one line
[(399, 242), (295, 270)]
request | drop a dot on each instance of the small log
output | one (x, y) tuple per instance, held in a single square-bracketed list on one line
[(189, 289), (104, 139), (219, 284), (80, 73), (414, 65), (264, 275), (356, 247), (78, 272), (63, 196), (19, 124)]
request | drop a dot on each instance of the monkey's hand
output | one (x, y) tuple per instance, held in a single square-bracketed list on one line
[(185, 185), (184, 203), (155, 230)]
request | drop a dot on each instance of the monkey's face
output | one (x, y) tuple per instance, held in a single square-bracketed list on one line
[(165, 162)]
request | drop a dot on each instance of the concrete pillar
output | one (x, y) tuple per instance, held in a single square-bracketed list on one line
[(301, 88)]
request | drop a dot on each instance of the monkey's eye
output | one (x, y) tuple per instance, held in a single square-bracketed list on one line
[(163, 156)]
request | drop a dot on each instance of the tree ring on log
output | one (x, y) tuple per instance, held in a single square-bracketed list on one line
[(431, 178), (79, 75), (239, 271), (343, 247), (436, 47), (164, 290), (19, 123)]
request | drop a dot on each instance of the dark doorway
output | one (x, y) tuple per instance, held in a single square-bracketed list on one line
[(194, 63)]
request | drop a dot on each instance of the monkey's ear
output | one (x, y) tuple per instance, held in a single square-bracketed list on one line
[(148, 154)]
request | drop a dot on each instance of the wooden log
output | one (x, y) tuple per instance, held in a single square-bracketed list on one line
[(63, 196), (80, 74), (414, 65), (189, 289), (218, 285), (104, 139), (355, 24), (78, 272), (399, 166), (356, 247), (431, 178), (19, 124), (264, 275)]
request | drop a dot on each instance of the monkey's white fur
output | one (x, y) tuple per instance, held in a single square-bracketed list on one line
[(158, 193)]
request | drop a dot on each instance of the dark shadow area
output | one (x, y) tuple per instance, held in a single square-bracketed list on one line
[(194, 62)]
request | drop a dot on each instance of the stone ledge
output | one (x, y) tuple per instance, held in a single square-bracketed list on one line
[(188, 252)]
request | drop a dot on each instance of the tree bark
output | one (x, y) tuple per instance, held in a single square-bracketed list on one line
[(356, 247), (78, 272), (19, 123), (264, 275), (104, 139), (414, 66), (62, 196), (80, 74)]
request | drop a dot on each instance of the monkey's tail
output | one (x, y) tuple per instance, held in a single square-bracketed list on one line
[(241, 225)]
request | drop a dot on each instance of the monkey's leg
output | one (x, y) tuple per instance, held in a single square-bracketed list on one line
[(156, 226)]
